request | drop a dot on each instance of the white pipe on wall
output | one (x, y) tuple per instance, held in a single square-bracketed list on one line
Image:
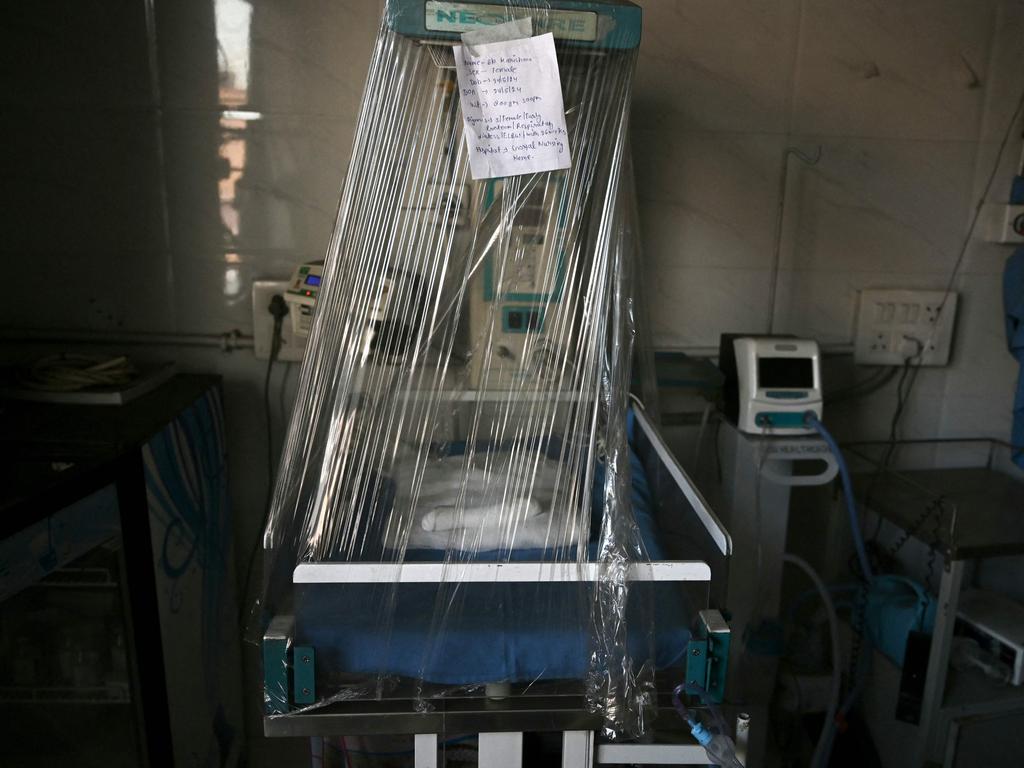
[(831, 350), (227, 342), (232, 340)]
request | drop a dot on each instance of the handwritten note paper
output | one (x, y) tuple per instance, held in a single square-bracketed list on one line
[(512, 107)]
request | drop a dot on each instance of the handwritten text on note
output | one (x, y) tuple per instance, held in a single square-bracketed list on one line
[(512, 107)]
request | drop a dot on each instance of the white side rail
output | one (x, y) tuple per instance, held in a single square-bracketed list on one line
[(442, 573)]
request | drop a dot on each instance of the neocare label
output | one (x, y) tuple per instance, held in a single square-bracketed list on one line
[(444, 16)]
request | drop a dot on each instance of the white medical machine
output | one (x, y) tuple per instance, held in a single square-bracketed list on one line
[(772, 383), (517, 325), (301, 294)]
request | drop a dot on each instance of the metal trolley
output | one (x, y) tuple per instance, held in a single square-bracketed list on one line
[(961, 501)]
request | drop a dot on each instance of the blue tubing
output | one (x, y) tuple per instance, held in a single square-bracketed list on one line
[(681, 708), (851, 506)]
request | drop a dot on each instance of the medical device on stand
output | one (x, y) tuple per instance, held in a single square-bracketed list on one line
[(525, 299), (771, 383), (471, 532), (300, 296), (765, 448)]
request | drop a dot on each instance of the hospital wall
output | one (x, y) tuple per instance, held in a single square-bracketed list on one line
[(162, 155), (907, 102)]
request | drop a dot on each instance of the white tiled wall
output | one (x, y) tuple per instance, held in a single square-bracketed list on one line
[(913, 69), (907, 102), (115, 147)]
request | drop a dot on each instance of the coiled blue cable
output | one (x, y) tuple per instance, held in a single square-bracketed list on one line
[(851, 507)]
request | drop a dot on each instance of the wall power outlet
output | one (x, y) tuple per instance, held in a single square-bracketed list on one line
[(894, 326), (292, 347)]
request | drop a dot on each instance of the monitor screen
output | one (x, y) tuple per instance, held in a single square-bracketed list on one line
[(785, 373), (313, 280)]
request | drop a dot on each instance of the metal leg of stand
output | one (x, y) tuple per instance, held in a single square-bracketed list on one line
[(501, 750), (938, 659), (577, 749), (425, 745)]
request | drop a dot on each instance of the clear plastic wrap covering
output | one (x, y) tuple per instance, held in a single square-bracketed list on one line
[(452, 509)]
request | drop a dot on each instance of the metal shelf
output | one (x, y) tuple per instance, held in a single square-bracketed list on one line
[(975, 492)]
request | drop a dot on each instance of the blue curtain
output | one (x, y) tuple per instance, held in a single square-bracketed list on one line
[(1013, 304)]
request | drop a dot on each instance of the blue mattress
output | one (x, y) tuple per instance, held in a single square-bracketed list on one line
[(472, 633)]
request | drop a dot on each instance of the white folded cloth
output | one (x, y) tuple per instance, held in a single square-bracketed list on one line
[(522, 504), (451, 517)]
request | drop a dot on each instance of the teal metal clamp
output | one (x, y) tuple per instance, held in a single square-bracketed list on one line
[(289, 672), (707, 654), (304, 675), (277, 642)]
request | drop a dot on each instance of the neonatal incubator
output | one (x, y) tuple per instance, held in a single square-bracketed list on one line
[(466, 503)]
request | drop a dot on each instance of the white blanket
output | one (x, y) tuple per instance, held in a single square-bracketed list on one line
[(521, 505)]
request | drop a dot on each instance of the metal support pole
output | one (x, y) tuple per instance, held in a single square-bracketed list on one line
[(577, 749), (501, 750), (938, 660), (425, 745)]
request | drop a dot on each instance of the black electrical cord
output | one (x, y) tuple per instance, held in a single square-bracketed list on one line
[(904, 388), (962, 253), (907, 378), (908, 534), (863, 388), (908, 375), (935, 509), (279, 310), (876, 373)]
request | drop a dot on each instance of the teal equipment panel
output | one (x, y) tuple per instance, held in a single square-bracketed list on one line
[(781, 419)]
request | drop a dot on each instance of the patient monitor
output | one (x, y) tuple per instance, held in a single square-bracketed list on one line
[(771, 383)]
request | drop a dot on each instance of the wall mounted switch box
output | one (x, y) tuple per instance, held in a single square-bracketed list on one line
[(895, 327), (293, 346)]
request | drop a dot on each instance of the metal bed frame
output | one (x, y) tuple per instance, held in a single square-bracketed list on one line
[(690, 532)]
